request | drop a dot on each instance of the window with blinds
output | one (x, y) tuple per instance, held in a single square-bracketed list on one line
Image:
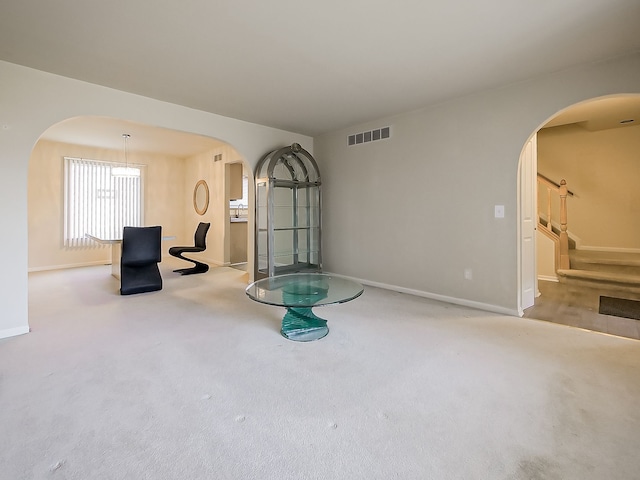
[(99, 202)]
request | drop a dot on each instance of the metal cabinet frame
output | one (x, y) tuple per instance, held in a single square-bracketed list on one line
[(291, 168)]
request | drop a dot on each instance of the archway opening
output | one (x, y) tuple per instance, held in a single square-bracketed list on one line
[(591, 149), (174, 164)]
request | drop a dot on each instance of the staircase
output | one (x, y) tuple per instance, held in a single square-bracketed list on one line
[(542, 222), (614, 274)]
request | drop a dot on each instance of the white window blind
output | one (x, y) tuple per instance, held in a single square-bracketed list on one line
[(97, 202)]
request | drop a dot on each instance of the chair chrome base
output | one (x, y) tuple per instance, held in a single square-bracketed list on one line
[(198, 268)]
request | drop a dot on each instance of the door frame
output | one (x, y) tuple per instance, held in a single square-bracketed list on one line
[(527, 197)]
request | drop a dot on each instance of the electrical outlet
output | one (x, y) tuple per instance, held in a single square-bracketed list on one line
[(468, 274), (499, 211)]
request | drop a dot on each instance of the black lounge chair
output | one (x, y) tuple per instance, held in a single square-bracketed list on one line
[(200, 245), (141, 253)]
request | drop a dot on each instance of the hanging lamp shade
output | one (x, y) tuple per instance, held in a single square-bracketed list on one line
[(125, 171)]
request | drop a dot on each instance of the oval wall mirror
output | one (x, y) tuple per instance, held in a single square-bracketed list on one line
[(201, 197)]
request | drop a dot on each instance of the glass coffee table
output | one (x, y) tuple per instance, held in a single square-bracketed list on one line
[(299, 293)]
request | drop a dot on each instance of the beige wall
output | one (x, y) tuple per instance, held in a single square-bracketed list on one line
[(163, 202), (203, 167), (602, 168), (168, 201), (545, 257)]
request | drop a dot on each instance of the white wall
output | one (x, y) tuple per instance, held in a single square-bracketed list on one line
[(31, 101), (411, 212), (416, 210)]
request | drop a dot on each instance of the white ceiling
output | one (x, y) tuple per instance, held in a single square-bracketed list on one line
[(312, 67)]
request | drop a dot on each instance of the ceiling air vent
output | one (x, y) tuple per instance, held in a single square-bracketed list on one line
[(370, 136)]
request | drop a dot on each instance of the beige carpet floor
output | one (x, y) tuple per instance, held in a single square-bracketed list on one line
[(195, 382)]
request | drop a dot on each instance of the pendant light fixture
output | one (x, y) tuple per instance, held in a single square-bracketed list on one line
[(125, 171)]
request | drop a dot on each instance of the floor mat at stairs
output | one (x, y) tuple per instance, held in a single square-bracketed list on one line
[(620, 307)]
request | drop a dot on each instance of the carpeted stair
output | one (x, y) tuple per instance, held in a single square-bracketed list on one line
[(615, 274)]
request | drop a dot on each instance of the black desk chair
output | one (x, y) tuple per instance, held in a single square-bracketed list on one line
[(141, 254), (200, 245)]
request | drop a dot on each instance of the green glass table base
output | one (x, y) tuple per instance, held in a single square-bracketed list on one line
[(299, 293), (302, 325)]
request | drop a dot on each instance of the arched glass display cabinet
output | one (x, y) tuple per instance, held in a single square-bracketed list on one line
[(287, 213)]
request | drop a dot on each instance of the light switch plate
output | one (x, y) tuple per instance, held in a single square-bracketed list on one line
[(499, 211)]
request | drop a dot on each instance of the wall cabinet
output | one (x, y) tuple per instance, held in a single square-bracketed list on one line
[(235, 181)]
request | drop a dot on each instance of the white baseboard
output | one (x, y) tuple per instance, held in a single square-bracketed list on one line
[(203, 259), (435, 296), (548, 278), (215, 263), (70, 265), (108, 262), (609, 249), (12, 332)]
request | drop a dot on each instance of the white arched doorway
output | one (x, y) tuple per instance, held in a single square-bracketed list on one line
[(36, 101), (175, 163), (593, 116)]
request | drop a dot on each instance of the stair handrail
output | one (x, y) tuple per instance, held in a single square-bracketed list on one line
[(563, 192), (553, 185)]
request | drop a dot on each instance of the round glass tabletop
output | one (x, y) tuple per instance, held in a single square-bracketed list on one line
[(304, 290)]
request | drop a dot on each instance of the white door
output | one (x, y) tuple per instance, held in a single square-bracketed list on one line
[(528, 222)]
